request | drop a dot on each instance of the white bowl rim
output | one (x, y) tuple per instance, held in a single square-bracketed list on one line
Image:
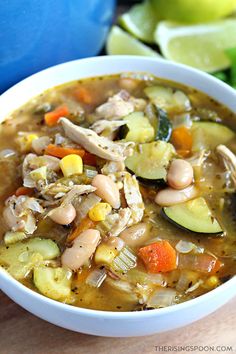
[(229, 284)]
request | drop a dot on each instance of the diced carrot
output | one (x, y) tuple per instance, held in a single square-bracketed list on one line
[(83, 95), (24, 191), (51, 118), (85, 224), (158, 257), (216, 267), (59, 151), (182, 140), (89, 159)]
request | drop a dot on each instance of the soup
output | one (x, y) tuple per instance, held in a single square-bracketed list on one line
[(117, 193)]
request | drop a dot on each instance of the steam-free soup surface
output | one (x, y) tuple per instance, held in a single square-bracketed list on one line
[(127, 202)]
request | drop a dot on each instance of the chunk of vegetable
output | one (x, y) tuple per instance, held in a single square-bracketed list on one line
[(51, 118), (71, 165), (105, 254), (124, 261), (182, 140), (207, 135), (149, 161), (11, 237), (96, 277), (137, 128), (203, 263), (85, 224), (20, 258), (100, 211), (39, 173), (193, 215), (159, 257), (25, 142), (59, 151), (168, 99), (54, 283), (83, 95), (164, 126)]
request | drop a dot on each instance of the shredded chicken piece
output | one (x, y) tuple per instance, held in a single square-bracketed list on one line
[(113, 167), (19, 213), (118, 221), (120, 105), (104, 124), (229, 160), (96, 144), (133, 198), (76, 191)]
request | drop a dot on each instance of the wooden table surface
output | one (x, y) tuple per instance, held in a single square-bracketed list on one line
[(23, 333)]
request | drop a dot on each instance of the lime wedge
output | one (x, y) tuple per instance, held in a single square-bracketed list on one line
[(121, 43), (201, 46), (193, 11), (140, 21)]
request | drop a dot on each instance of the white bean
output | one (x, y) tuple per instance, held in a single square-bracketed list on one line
[(82, 249), (170, 196), (135, 235), (107, 190), (180, 174), (63, 215)]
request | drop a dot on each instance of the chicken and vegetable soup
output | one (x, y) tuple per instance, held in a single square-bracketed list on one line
[(118, 193)]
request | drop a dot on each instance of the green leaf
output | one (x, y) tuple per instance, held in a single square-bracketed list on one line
[(231, 53)]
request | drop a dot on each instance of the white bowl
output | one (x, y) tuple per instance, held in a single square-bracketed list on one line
[(117, 324)]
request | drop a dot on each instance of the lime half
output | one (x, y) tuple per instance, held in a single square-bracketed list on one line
[(201, 46), (140, 21), (121, 43)]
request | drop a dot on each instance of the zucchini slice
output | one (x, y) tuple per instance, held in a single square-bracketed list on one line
[(193, 215), (20, 258), (53, 282), (207, 135), (168, 98), (149, 161), (137, 128), (164, 126)]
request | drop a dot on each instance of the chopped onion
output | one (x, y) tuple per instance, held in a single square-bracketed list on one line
[(96, 277), (156, 279), (86, 204), (7, 153), (89, 171), (194, 287), (182, 120), (40, 144), (186, 279), (202, 262), (59, 139), (162, 297), (120, 285), (184, 246)]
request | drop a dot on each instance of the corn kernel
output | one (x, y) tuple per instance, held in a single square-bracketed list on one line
[(212, 281), (105, 254), (25, 142), (99, 212), (71, 165)]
